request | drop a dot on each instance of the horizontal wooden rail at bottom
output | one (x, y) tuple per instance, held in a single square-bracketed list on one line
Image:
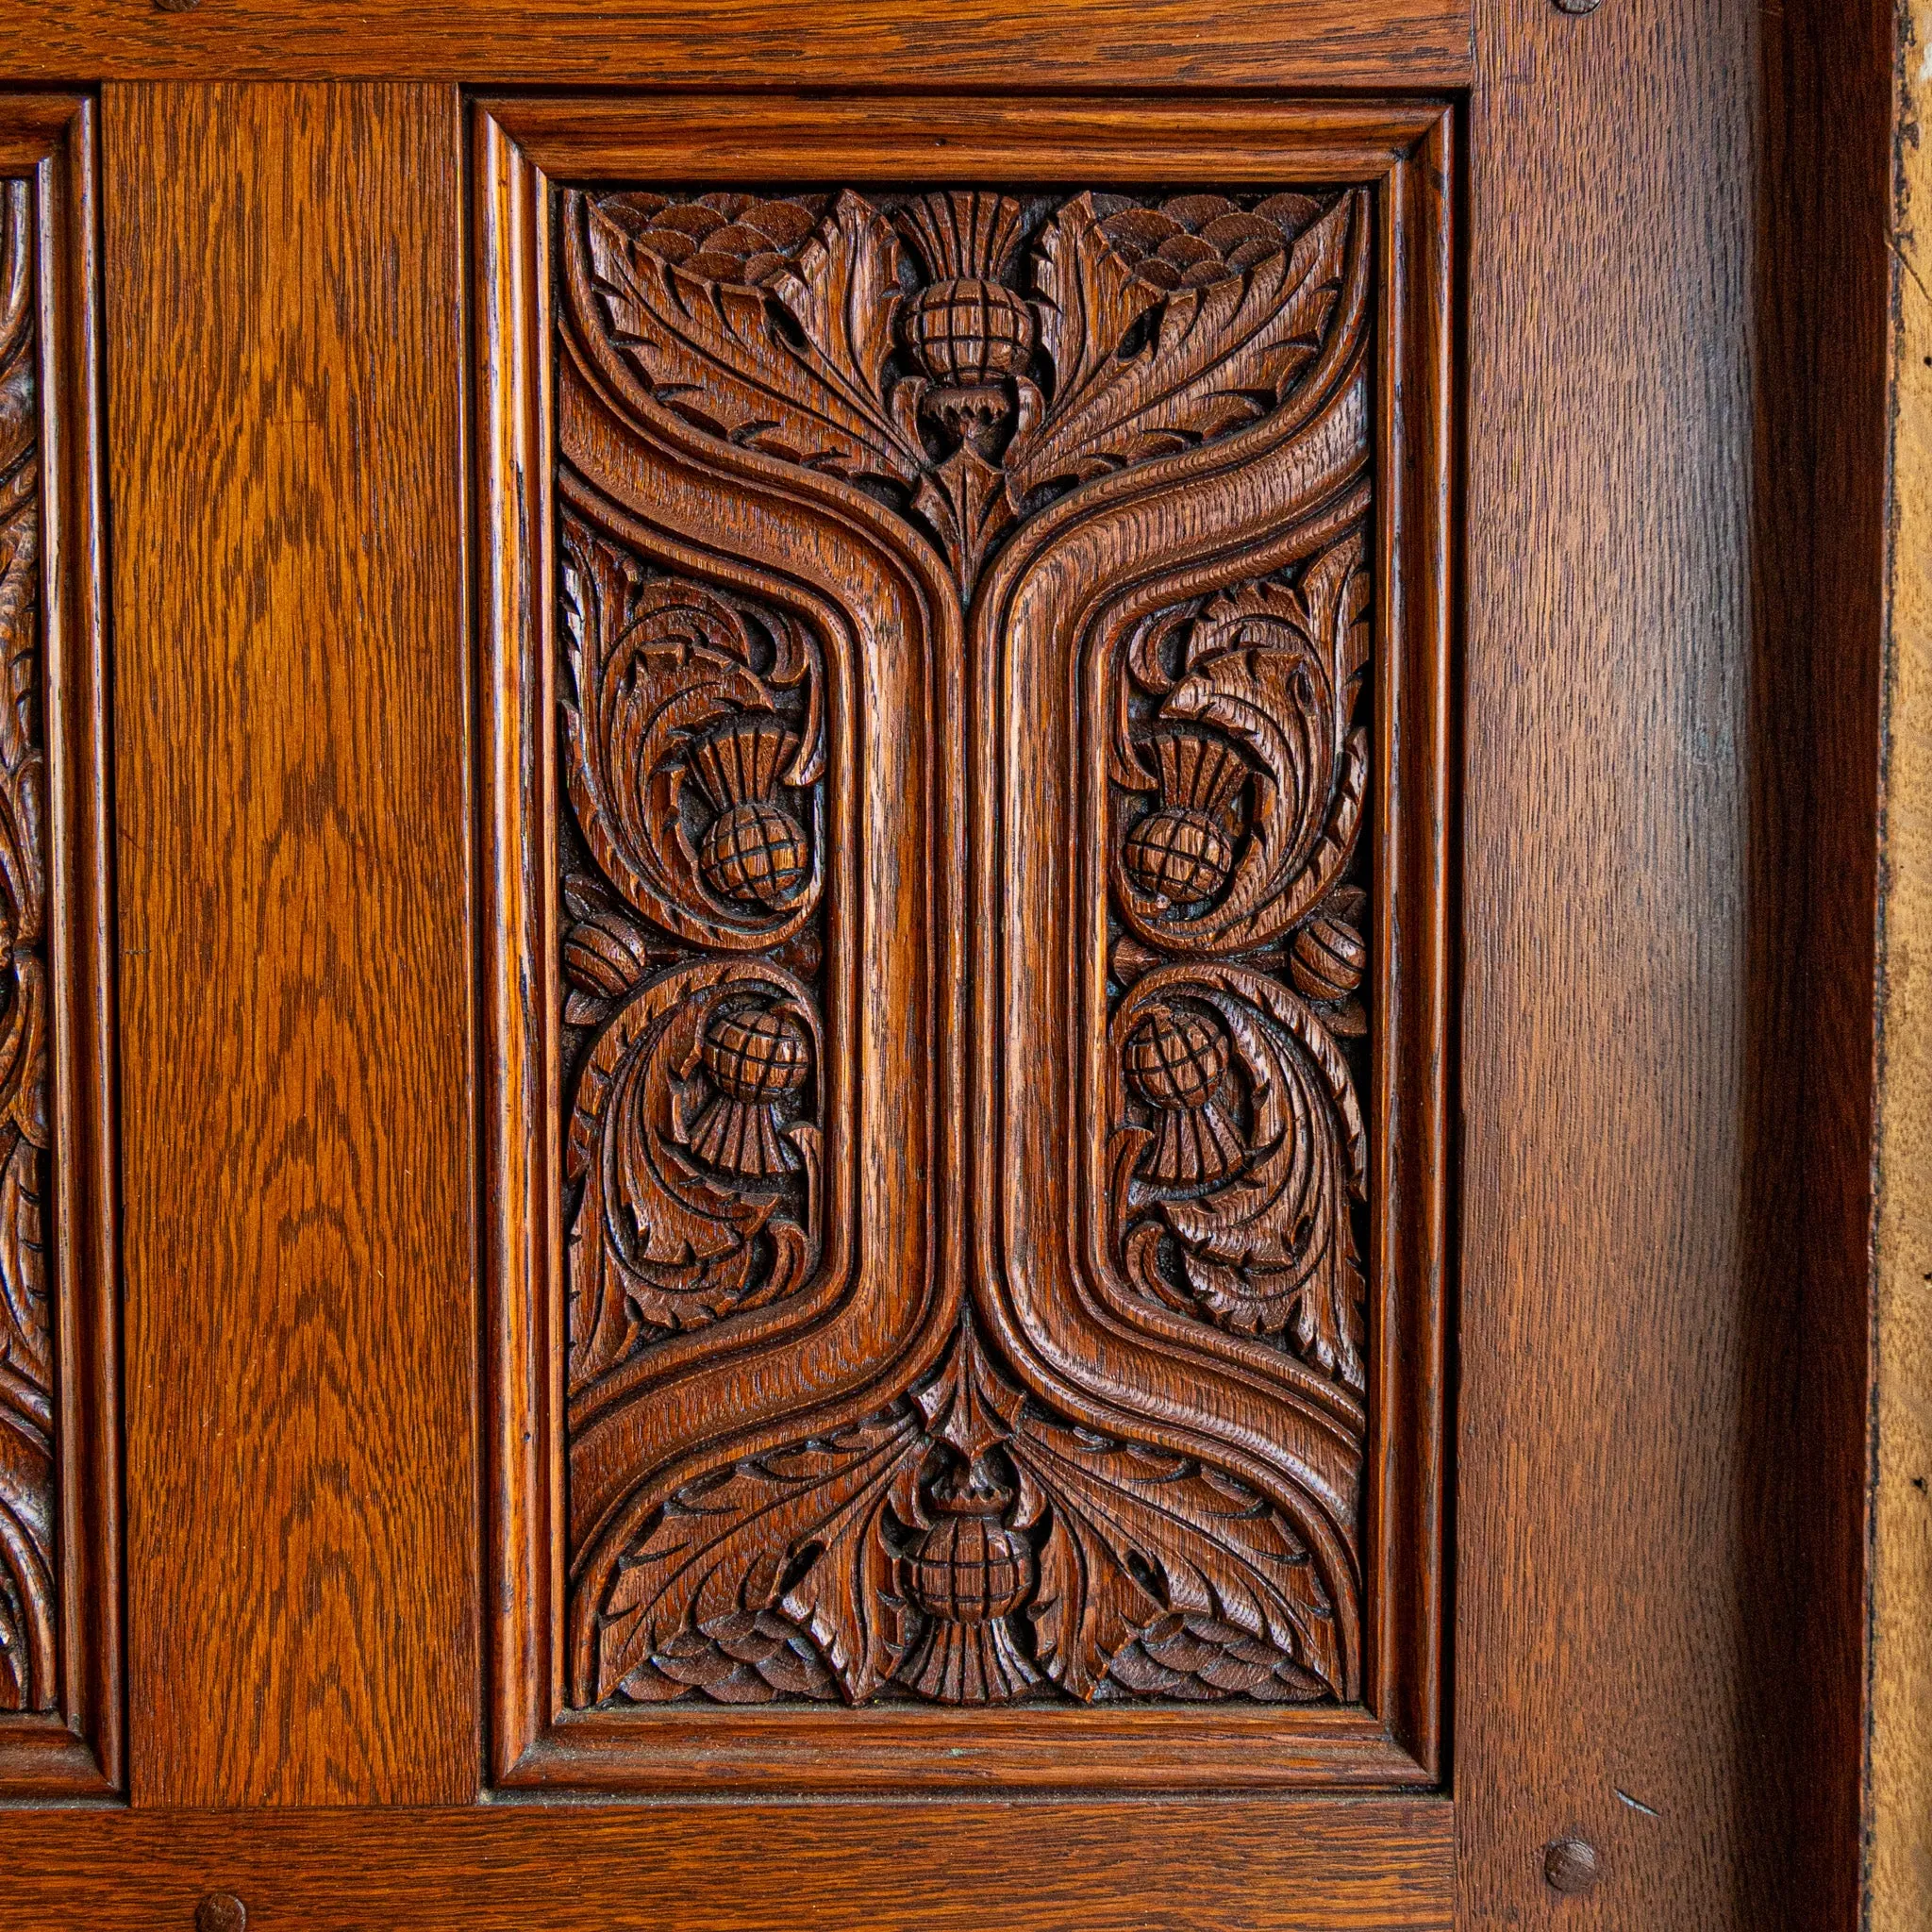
[(1207, 1865)]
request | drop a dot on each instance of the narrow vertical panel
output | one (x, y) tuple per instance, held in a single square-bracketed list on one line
[(59, 1433), (285, 390), (1674, 273), (1606, 1320)]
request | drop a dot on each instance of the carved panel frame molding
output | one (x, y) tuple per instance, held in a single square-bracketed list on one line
[(767, 969), (61, 1676)]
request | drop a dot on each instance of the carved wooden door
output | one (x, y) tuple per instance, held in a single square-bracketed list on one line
[(769, 976)]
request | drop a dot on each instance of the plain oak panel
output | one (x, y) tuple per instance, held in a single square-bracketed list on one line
[(284, 395), (966, 43), (1676, 282), (1210, 1866)]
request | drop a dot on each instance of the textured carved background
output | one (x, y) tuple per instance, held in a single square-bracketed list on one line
[(27, 1679), (1125, 440)]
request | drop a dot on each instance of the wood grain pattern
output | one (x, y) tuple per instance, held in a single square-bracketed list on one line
[(674, 508), (1318, 1866), (59, 1445), (754, 44), (1666, 1021), (1900, 1792), (284, 385)]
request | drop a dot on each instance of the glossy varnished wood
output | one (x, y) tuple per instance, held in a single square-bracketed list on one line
[(1402, 149), (285, 376), (1317, 1867), (71, 1743), (1675, 281), (1672, 271), (756, 43)]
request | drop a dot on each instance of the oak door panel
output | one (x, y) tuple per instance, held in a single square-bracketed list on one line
[(1655, 808), (284, 383), (1120, 1385)]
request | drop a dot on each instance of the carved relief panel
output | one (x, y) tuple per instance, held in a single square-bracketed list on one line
[(958, 636), (60, 1729)]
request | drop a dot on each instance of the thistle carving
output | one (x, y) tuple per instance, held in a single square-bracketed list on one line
[(1240, 772), (26, 1346), (964, 1547), (784, 325), (693, 756), (972, 381)]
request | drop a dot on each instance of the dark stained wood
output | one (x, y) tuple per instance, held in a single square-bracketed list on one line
[(57, 1241), (1674, 556), (754, 44), (1823, 306), (285, 379), (822, 552), (1312, 1867)]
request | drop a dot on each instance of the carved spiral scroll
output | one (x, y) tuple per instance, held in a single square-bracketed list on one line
[(1241, 1153)]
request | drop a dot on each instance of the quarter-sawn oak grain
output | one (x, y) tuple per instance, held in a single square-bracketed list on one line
[(1667, 854), (285, 374), (1675, 553), (753, 43), (1324, 1866)]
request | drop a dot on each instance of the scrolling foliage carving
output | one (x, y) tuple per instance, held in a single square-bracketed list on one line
[(26, 1346), (692, 754), (983, 382), (1242, 772)]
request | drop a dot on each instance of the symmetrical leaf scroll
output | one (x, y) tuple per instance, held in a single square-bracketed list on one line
[(693, 748), (1129, 434), (26, 1365), (964, 1547), (1242, 775)]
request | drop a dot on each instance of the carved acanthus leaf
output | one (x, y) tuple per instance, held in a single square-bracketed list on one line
[(1270, 1249), (1216, 358), (710, 351), (1277, 670), (1139, 1533), (904, 1548), (664, 1236), (727, 1545), (657, 663)]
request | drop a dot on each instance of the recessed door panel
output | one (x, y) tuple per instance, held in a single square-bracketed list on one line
[(975, 661)]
